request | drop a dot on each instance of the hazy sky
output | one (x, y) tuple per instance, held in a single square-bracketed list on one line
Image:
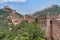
[(28, 6)]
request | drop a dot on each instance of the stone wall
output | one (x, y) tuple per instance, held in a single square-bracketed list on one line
[(52, 30), (48, 29), (55, 29), (51, 26)]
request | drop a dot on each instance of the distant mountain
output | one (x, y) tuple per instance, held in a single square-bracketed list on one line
[(54, 9)]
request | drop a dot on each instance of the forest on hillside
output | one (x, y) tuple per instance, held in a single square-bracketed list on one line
[(21, 31)]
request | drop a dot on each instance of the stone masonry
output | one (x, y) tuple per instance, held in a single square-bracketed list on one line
[(51, 25)]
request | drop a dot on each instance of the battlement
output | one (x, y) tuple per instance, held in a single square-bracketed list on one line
[(6, 7), (13, 11)]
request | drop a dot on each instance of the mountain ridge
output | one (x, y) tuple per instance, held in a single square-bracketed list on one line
[(51, 10)]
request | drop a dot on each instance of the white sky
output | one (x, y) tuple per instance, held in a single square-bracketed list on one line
[(3, 1)]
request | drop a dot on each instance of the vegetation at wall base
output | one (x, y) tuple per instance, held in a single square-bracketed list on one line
[(22, 31)]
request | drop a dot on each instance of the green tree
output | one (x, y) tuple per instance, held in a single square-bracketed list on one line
[(23, 31)]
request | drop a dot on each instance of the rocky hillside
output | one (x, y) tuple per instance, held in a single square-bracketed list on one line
[(4, 13), (51, 10), (22, 31)]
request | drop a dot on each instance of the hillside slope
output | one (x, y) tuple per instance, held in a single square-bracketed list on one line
[(4, 13)]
